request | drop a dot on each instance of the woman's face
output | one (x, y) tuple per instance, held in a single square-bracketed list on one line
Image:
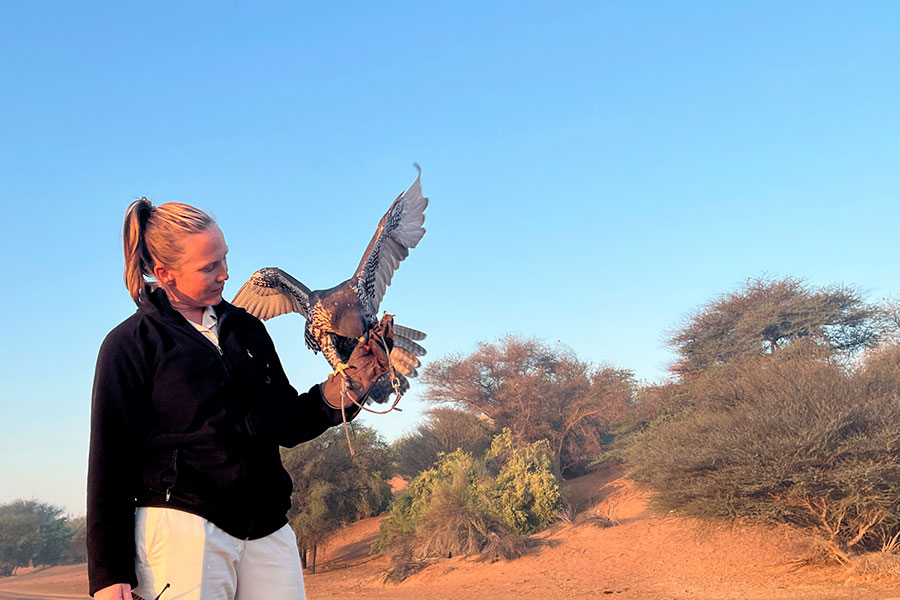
[(201, 278)]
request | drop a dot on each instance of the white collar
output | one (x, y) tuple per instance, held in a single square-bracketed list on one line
[(209, 319)]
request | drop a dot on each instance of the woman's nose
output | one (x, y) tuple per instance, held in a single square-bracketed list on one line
[(224, 274)]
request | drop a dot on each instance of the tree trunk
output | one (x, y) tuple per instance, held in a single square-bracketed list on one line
[(303, 557), (312, 559)]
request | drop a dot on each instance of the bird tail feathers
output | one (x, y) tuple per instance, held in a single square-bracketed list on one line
[(408, 332)]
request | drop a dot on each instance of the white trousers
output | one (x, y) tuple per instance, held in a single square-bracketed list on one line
[(199, 561)]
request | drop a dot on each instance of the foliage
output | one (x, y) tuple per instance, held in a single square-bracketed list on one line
[(765, 315), (445, 429), (473, 506), (414, 501), (792, 437), (461, 520), (527, 493), (332, 488), (890, 308), (880, 371), (446, 511), (77, 549), (32, 533), (538, 392)]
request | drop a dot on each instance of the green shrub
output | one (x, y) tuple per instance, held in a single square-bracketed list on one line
[(447, 510), (413, 503), (460, 518), (472, 506), (527, 492)]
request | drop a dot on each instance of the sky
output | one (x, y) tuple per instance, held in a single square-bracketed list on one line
[(597, 171)]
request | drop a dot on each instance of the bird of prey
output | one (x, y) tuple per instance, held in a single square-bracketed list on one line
[(336, 318)]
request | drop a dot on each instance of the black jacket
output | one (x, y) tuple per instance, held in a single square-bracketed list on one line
[(177, 423)]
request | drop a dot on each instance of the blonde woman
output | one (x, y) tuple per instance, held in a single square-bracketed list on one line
[(186, 492)]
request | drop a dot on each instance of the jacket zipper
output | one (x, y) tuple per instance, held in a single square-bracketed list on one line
[(224, 364), (175, 469), (207, 342), (219, 330)]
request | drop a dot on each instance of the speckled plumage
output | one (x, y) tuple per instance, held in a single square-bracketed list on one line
[(337, 317)]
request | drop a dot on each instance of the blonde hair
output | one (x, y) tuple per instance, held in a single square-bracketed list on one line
[(152, 236)]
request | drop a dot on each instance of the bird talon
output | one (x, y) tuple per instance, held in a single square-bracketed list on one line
[(339, 370)]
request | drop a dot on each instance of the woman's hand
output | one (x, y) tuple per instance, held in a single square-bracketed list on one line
[(367, 362), (116, 591)]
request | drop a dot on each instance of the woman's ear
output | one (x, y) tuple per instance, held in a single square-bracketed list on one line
[(163, 275)]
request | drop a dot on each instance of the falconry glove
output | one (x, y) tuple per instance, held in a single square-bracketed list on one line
[(368, 362)]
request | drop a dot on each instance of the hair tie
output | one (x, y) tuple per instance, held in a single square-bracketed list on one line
[(144, 210)]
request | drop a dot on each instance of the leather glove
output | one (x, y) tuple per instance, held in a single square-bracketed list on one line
[(368, 362)]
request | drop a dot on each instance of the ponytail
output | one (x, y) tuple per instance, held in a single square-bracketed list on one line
[(138, 262), (152, 235)]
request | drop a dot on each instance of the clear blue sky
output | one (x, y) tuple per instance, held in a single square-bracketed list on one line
[(597, 170)]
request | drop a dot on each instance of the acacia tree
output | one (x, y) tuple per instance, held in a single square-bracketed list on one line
[(538, 392), (765, 315), (333, 488)]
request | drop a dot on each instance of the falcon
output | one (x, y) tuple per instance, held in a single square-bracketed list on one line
[(338, 317)]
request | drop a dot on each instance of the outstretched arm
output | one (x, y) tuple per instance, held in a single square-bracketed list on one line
[(290, 418)]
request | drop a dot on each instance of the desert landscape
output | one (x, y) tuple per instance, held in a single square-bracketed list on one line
[(614, 547)]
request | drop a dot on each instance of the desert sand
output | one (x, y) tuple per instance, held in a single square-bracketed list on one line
[(622, 552)]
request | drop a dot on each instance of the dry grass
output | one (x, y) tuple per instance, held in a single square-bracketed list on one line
[(875, 563)]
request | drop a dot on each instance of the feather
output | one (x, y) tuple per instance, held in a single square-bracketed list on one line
[(271, 292), (338, 316), (408, 333), (400, 229), (408, 345)]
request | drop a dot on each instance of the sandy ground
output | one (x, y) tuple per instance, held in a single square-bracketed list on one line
[(636, 556), (69, 581)]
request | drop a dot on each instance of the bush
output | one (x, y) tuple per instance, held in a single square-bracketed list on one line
[(527, 492), (472, 506), (446, 511), (792, 437), (460, 518)]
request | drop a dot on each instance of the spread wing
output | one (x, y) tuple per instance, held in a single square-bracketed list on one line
[(271, 292), (399, 230)]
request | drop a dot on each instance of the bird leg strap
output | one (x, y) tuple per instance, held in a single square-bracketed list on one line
[(347, 397)]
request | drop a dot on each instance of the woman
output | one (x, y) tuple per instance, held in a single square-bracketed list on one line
[(186, 491)]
